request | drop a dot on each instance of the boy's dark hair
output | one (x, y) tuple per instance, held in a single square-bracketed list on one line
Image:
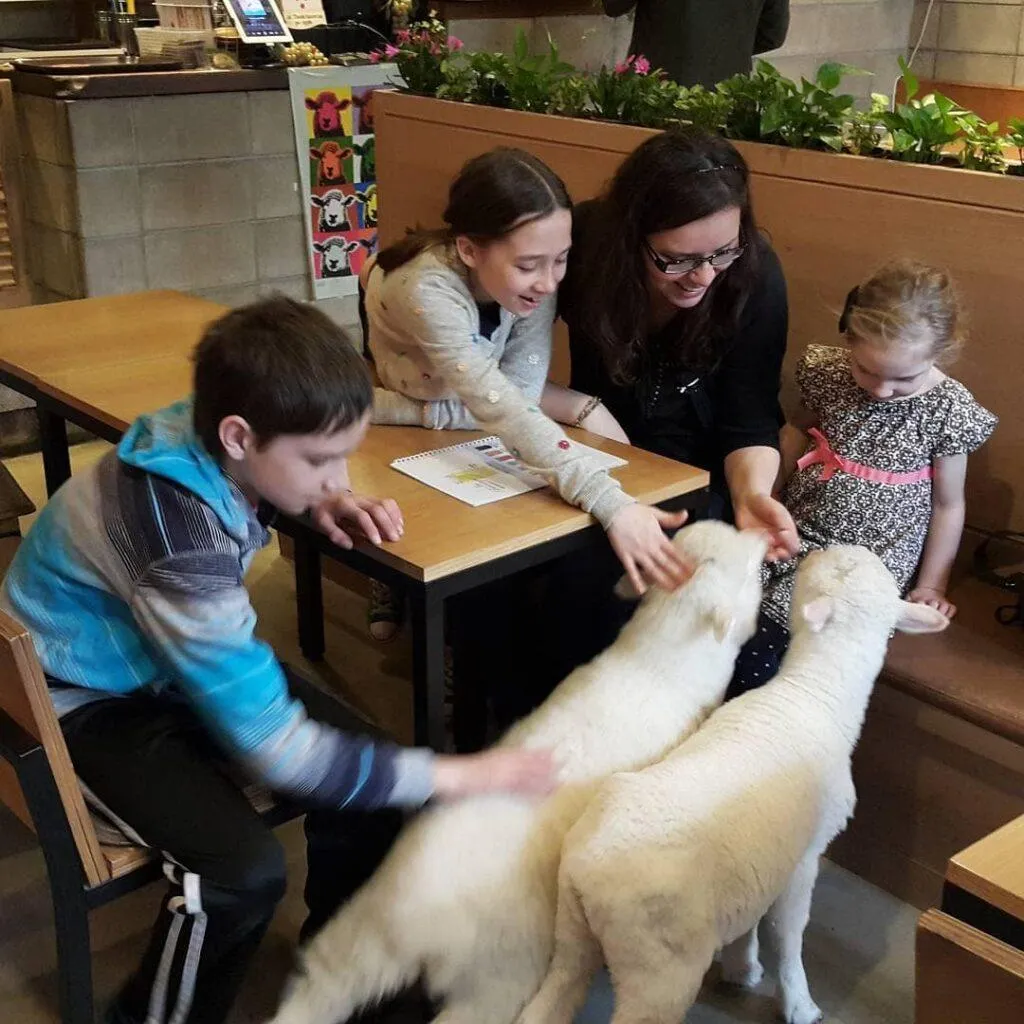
[(284, 366)]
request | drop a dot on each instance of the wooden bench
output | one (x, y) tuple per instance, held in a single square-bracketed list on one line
[(38, 784), (940, 763), (941, 759)]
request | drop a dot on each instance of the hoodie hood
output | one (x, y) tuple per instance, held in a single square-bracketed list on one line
[(165, 444)]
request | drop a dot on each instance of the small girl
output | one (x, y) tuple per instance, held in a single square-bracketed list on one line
[(878, 455), (459, 327)]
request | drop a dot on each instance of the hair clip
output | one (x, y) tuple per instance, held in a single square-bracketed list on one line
[(718, 167), (851, 300)]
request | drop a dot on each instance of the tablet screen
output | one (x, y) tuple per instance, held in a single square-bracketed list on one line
[(258, 21)]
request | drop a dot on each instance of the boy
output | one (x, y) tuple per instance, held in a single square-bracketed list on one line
[(131, 584)]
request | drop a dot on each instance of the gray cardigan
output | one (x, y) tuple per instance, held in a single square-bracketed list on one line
[(438, 371), (703, 41)]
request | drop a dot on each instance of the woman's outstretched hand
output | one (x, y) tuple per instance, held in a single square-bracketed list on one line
[(763, 512)]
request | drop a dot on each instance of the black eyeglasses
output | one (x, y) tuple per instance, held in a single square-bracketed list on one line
[(676, 268)]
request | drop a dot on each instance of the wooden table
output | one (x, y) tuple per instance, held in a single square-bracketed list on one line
[(985, 885), (99, 363), (970, 954)]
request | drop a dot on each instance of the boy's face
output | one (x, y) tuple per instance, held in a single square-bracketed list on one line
[(293, 472)]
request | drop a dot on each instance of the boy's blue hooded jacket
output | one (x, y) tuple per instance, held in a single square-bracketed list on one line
[(132, 578)]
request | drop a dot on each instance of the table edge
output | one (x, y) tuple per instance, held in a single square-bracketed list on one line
[(436, 572)]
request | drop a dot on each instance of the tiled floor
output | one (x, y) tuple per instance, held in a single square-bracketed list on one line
[(859, 943)]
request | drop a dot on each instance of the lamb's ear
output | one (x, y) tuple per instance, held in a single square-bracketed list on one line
[(817, 613), (723, 622), (920, 618)]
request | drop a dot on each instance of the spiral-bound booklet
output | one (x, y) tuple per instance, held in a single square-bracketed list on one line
[(479, 472)]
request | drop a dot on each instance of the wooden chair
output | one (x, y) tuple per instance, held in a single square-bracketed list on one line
[(14, 503), (38, 784)]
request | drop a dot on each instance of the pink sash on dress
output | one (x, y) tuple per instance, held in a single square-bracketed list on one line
[(832, 463)]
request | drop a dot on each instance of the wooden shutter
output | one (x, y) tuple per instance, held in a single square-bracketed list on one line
[(14, 285)]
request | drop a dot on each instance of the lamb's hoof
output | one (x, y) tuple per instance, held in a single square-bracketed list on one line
[(806, 1013), (743, 975)]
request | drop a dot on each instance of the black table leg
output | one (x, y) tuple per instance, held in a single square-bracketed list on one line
[(56, 457), (469, 699), (309, 597), (427, 619)]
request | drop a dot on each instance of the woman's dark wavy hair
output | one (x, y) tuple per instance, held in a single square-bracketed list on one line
[(670, 180), (493, 194)]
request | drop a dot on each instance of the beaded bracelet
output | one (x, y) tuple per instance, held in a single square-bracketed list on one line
[(592, 404)]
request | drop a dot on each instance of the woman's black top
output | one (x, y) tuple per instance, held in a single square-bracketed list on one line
[(674, 409)]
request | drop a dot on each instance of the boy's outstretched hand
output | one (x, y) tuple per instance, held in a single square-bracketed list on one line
[(347, 517), (527, 772)]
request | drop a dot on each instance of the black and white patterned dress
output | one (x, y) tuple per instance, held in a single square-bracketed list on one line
[(900, 437)]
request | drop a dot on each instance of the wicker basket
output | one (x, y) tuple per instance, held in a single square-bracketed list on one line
[(191, 47), (194, 16)]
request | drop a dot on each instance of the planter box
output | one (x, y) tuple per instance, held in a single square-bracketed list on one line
[(992, 102), (830, 217)]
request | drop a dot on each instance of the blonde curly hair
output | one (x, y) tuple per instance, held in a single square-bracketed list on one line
[(907, 303)]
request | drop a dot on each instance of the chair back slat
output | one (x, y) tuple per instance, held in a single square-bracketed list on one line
[(24, 696)]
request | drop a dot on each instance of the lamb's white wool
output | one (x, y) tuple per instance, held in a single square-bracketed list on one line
[(466, 899), (669, 864)]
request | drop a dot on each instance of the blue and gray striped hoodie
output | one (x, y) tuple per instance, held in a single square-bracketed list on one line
[(132, 578)]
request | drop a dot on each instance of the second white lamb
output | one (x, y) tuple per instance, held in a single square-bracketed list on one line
[(672, 863)]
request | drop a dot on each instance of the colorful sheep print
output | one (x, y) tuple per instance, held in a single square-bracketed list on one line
[(336, 128)]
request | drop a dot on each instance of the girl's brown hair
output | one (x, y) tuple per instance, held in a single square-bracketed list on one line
[(907, 303), (492, 195)]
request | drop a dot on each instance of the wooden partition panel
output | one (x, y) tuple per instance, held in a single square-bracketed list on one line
[(831, 218)]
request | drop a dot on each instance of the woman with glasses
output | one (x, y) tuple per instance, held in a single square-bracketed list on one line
[(677, 315)]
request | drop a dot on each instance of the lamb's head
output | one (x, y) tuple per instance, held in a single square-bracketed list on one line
[(847, 585), (725, 588)]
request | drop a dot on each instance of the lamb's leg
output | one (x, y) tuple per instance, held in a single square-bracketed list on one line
[(497, 1000), (576, 958), (657, 968), (788, 919), (659, 991), (740, 963)]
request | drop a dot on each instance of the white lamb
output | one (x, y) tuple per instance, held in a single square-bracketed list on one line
[(670, 864), (466, 899)]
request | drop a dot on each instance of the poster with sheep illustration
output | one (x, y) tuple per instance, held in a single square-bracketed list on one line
[(332, 112)]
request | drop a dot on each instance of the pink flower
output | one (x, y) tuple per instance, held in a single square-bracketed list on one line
[(622, 67), (376, 56), (403, 35), (435, 49), (641, 65), (455, 43), (391, 51)]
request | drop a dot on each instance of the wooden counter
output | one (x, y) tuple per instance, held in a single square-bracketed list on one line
[(156, 83)]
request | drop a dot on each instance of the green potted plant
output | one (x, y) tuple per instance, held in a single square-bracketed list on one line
[(1015, 137), (419, 51)]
